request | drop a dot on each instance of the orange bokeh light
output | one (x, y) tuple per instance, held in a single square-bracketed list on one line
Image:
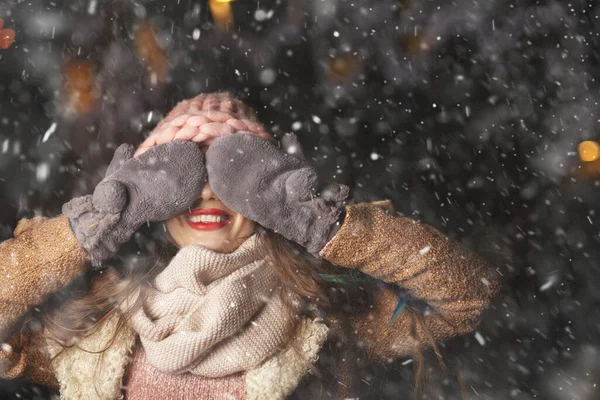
[(80, 85), (589, 151), (151, 54), (221, 13), (7, 36)]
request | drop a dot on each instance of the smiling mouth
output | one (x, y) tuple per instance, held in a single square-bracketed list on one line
[(205, 219), (208, 218)]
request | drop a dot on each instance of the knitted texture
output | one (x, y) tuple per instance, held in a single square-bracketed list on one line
[(274, 379), (145, 382), (204, 118), (214, 314), (277, 377)]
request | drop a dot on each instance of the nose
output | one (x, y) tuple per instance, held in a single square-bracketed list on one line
[(207, 193)]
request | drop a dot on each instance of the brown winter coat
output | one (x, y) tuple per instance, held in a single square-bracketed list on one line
[(44, 256)]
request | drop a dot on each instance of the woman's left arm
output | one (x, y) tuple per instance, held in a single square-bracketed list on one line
[(454, 284), (277, 188)]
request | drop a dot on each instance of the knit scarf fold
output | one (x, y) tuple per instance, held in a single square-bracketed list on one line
[(214, 314)]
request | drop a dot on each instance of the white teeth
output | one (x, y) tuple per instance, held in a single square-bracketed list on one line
[(207, 218)]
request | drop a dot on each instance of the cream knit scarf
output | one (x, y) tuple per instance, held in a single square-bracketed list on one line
[(214, 314)]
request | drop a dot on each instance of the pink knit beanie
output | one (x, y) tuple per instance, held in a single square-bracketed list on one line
[(204, 118)]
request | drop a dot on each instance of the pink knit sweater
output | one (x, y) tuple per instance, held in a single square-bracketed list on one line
[(144, 382)]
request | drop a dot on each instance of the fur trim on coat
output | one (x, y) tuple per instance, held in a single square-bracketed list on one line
[(88, 376), (83, 374)]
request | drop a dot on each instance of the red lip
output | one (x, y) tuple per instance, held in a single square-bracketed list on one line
[(207, 226)]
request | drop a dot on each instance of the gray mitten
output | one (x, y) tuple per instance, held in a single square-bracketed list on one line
[(275, 188), (155, 186)]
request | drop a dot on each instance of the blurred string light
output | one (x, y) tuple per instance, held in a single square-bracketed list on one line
[(151, 54), (221, 13), (80, 86), (7, 36), (589, 151)]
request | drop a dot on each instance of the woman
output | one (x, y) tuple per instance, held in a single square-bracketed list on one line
[(238, 312)]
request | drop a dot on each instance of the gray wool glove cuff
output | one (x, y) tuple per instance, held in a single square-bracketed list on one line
[(155, 186), (275, 188)]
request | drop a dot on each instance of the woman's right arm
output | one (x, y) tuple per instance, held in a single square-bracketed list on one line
[(43, 257), (48, 254)]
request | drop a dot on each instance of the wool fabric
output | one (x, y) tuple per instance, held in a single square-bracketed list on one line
[(214, 314), (145, 382)]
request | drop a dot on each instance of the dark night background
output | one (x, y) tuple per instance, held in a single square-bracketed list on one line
[(467, 114)]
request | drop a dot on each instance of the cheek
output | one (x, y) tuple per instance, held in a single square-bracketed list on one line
[(172, 231), (243, 226), (171, 225)]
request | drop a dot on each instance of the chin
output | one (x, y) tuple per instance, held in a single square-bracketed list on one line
[(215, 244), (217, 248)]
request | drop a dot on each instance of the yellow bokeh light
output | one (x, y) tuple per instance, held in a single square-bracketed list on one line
[(589, 151), (221, 13)]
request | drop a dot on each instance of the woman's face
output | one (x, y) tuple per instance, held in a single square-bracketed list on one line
[(210, 224)]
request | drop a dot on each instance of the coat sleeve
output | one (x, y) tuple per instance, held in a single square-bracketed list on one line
[(450, 285), (43, 257)]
